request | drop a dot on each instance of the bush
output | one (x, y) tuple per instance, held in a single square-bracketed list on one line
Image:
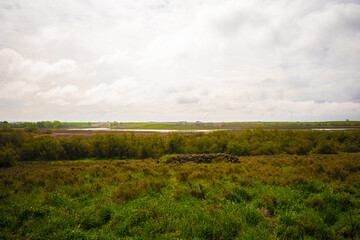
[(238, 149), (42, 148), (167, 158), (175, 143), (48, 131), (267, 148), (75, 148), (325, 147), (8, 156), (31, 129), (350, 146)]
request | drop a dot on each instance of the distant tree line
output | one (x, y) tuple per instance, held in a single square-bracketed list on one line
[(41, 124), (18, 145)]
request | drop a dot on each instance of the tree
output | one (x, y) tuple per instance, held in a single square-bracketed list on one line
[(175, 143)]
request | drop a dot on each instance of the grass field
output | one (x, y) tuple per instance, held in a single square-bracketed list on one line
[(236, 125), (79, 123), (146, 125), (262, 197)]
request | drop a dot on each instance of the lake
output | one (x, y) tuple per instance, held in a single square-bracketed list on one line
[(143, 130), (185, 130)]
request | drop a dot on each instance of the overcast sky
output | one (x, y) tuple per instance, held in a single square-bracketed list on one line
[(171, 60)]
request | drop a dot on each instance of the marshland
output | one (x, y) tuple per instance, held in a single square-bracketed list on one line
[(251, 184)]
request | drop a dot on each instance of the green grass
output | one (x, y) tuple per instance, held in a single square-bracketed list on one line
[(150, 125), (78, 123), (262, 197), (238, 125)]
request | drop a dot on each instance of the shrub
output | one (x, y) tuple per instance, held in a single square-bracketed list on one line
[(350, 146), (167, 158), (175, 143), (267, 148), (238, 149), (42, 148), (325, 147), (31, 129), (48, 131), (8, 156)]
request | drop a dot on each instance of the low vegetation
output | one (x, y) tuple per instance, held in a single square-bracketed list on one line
[(260, 197), (29, 145)]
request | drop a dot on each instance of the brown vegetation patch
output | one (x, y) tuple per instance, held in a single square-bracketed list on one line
[(204, 158)]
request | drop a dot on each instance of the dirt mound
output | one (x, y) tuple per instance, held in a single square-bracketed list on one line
[(202, 158)]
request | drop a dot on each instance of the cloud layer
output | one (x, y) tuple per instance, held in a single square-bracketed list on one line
[(180, 60)]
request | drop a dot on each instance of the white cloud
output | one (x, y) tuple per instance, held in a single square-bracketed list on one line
[(181, 60), (67, 92), (17, 67), (115, 93)]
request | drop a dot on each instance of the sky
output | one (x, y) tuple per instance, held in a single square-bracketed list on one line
[(175, 60)]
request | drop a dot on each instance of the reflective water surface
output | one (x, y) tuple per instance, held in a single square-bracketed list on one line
[(143, 130)]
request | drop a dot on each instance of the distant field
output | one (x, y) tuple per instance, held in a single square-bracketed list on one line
[(262, 197), (147, 125), (80, 123), (238, 125)]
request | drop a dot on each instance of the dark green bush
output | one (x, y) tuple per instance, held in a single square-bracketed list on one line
[(238, 149), (8, 156), (325, 147), (267, 148), (123, 146), (31, 129)]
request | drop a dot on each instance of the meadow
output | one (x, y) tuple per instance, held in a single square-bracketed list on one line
[(261, 197)]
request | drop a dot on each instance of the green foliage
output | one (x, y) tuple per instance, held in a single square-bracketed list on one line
[(8, 156), (5, 127), (48, 131), (175, 143), (167, 158), (266, 148), (240, 195), (75, 148), (238, 148), (261, 197), (30, 147), (41, 124), (325, 147), (31, 129), (42, 148)]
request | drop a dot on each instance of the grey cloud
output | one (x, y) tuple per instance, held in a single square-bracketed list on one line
[(286, 60), (187, 100)]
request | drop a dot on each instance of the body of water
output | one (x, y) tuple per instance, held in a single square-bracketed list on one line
[(143, 130), (185, 130), (336, 129)]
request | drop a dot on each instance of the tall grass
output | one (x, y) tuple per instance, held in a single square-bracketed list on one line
[(262, 197)]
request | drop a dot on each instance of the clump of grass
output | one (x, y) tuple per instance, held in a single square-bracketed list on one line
[(167, 158)]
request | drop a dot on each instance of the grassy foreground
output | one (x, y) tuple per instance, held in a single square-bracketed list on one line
[(262, 197)]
